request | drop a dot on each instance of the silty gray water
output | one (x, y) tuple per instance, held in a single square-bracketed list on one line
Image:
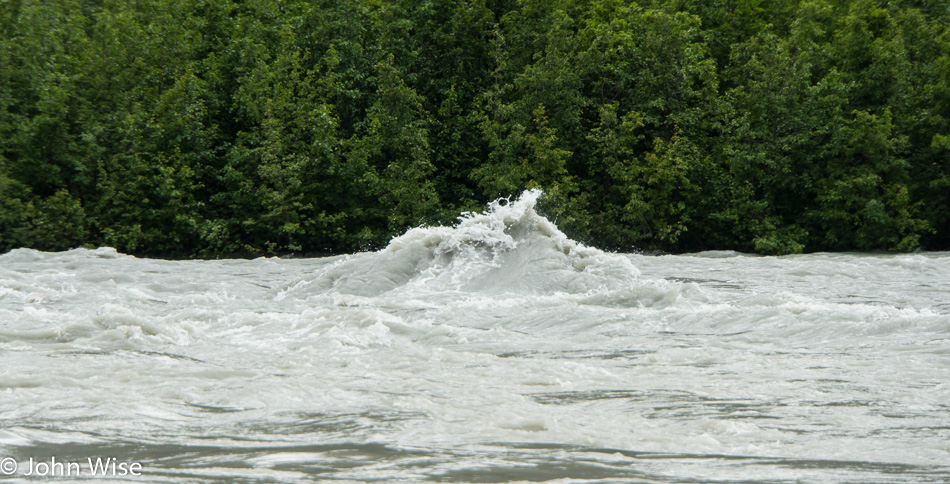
[(496, 350)]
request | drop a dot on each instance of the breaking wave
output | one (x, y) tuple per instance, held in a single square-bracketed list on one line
[(507, 250)]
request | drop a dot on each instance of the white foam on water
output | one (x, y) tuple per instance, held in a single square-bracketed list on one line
[(509, 249), (495, 349)]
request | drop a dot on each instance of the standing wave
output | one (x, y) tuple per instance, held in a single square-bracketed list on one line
[(509, 249)]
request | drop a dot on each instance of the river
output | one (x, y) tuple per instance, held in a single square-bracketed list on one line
[(497, 350)]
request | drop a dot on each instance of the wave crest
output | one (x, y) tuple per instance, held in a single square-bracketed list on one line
[(509, 248)]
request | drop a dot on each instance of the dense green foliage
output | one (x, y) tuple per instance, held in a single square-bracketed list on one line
[(224, 127)]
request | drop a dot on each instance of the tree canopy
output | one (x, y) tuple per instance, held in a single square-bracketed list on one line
[(201, 128)]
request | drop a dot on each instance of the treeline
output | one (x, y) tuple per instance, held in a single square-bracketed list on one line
[(237, 127)]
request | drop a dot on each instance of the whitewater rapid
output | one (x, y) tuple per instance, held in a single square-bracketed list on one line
[(496, 350)]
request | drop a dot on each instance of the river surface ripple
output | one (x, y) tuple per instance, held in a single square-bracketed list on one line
[(494, 351)]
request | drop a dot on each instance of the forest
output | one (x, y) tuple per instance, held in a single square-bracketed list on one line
[(221, 128)]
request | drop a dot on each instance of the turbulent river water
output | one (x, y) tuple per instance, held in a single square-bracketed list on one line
[(497, 350)]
